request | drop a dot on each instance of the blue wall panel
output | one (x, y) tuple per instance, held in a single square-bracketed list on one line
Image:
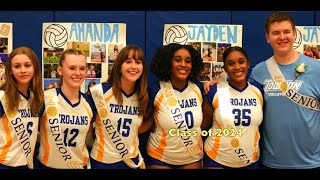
[(317, 16), (27, 27)]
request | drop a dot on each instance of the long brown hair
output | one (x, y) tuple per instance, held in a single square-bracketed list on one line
[(140, 85), (12, 94)]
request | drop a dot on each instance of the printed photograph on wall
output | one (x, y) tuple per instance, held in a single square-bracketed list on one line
[(5, 47), (98, 52), (92, 39), (94, 70), (51, 83), (196, 46), (210, 40), (52, 55), (312, 51), (209, 51), (110, 68), (50, 71), (3, 61), (307, 41), (218, 72), (221, 48), (84, 47), (89, 83), (2, 76), (113, 51), (206, 74)]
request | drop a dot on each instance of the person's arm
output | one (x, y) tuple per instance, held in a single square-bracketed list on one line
[(148, 120), (38, 130), (41, 117), (90, 135), (207, 84), (207, 113)]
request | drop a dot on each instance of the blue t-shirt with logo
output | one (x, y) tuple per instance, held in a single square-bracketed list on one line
[(290, 132)]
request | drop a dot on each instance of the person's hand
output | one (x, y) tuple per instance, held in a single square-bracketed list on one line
[(207, 84)]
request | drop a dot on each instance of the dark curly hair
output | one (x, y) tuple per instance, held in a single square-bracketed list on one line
[(162, 61)]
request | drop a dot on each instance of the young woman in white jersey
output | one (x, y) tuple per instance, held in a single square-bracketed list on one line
[(236, 111), (121, 103), (175, 108), (21, 102), (67, 117)]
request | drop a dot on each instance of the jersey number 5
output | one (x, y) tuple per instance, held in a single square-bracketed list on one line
[(242, 116), (124, 126)]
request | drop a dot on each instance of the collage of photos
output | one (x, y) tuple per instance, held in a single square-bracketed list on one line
[(3, 58), (211, 53), (51, 60), (312, 51), (99, 56)]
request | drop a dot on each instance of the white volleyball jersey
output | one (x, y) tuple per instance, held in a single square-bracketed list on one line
[(127, 122), (11, 153), (74, 121), (165, 143), (246, 107)]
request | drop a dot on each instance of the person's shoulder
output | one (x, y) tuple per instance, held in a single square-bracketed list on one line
[(260, 65), (106, 86), (310, 61), (196, 83), (87, 97), (255, 84), (84, 94)]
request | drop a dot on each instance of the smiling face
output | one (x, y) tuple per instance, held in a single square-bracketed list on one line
[(131, 69), (281, 37), (73, 70), (237, 65), (22, 69), (181, 66)]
